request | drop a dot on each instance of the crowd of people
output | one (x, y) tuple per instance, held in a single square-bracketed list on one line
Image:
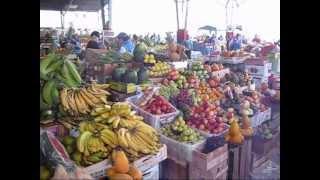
[(126, 43)]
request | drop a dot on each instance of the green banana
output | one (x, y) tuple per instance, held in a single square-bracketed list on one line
[(44, 64), (66, 77), (47, 92), (94, 158), (43, 105), (73, 71), (55, 93)]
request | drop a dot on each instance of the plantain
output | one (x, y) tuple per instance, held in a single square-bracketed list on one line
[(73, 71), (47, 92)]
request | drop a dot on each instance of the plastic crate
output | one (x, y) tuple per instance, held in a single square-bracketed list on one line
[(220, 73), (226, 129), (260, 117), (181, 152), (98, 170), (153, 120)]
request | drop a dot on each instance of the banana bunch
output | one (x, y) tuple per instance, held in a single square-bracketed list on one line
[(49, 94), (57, 66), (90, 148), (126, 56), (138, 141), (77, 101), (117, 115)]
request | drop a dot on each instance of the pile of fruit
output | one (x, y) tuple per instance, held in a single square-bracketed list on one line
[(170, 90), (207, 117), (214, 82), (199, 70), (149, 59), (228, 54), (158, 105), (77, 101), (125, 75), (265, 132), (213, 67), (121, 169), (160, 69), (180, 131), (241, 78), (208, 94), (177, 78), (117, 126), (56, 71), (176, 52), (46, 172)]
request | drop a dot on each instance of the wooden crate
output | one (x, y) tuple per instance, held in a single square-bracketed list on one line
[(117, 96), (240, 160), (56, 128), (169, 169), (260, 146), (257, 160), (213, 166)]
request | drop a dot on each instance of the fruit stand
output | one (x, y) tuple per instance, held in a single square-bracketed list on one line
[(150, 115)]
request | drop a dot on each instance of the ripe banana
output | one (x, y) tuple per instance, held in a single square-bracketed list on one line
[(110, 136), (130, 143), (121, 138), (63, 97), (82, 141)]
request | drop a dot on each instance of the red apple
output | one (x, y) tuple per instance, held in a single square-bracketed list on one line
[(201, 126)]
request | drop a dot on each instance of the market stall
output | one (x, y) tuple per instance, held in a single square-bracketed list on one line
[(154, 113)]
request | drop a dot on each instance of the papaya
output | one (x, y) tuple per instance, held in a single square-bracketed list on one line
[(110, 172), (246, 126), (121, 162), (135, 173), (234, 135), (120, 176)]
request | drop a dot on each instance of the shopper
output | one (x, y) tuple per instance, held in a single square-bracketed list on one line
[(93, 43), (125, 43)]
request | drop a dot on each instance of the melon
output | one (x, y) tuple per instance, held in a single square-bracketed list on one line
[(118, 73), (143, 75), (173, 47), (131, 76), (174, 56)]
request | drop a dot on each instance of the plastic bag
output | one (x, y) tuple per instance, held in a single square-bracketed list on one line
[(61, 174)]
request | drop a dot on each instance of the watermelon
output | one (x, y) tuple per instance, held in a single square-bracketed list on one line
[(143, 75), (118, 73), (131, 76)]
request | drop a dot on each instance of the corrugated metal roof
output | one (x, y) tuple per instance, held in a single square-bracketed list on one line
[(83, 5)]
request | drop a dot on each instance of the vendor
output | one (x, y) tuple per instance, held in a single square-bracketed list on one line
[(125, 43), (256, 39), (235, 43), (93, 42)]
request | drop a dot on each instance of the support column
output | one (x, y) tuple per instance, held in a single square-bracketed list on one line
[(110, 13), (62, 19), (102, 13)]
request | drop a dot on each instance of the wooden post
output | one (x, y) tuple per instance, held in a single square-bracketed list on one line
[(102, 13)]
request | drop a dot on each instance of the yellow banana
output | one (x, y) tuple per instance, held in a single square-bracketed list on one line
[(130, 143), (63, 97), (86, 98), (95, 100), (82, 140), (116, 122), (122, 141)]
